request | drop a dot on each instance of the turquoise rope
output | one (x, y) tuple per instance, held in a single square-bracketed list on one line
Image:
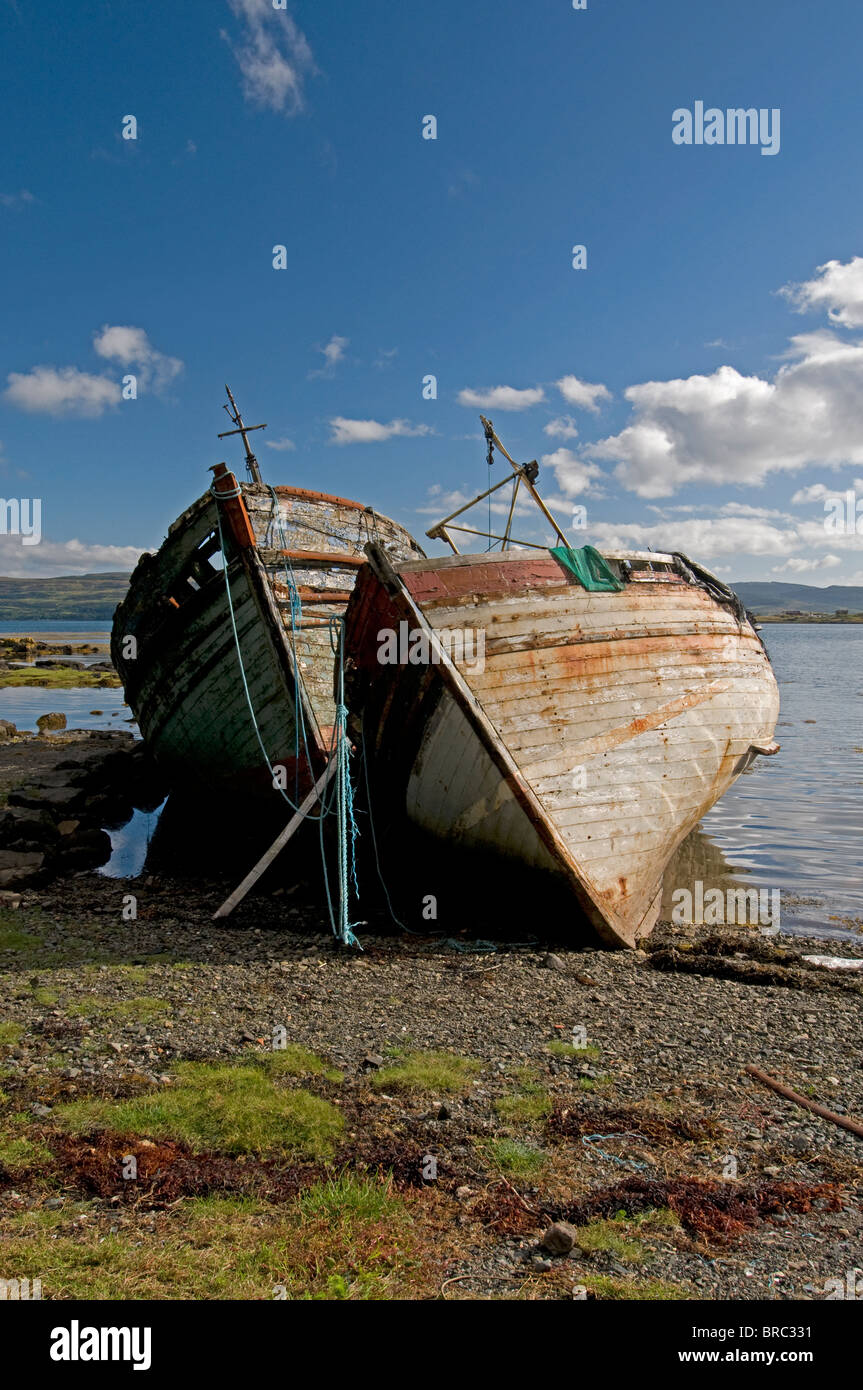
[(342, 790)]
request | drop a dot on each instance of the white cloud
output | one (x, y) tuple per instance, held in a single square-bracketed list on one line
[(816, 492), (744, 509), (386, 357), (17, 200), (701, 538), (333, 353), (574, 476), (502, 398), (61, 391), (799, 565), (371, 431), (132, 348), (273, 55), (727, 428), (50, 558), (582, 394), (562, 427), (705, 538), (835, 287), (445, 503), (282, 446)]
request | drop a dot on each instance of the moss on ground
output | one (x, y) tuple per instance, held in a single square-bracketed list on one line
[(58, 678), (228, 1248), (435, 1072), (223, 1107)]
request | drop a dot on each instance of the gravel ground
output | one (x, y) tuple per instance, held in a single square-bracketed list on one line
[(105, 983), (660, 1041)]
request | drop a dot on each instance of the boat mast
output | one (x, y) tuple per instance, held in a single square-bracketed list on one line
[(244, 430), (523, 475)]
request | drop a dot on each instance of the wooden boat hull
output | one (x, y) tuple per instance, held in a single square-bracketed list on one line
[(175, 647), (593, 735)]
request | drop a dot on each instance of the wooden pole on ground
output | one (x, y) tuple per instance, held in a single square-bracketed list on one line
[(278, 844), (845, 1121)]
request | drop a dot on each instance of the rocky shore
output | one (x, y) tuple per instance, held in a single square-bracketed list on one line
[(58, 793), (432, 1108), (27, 661)]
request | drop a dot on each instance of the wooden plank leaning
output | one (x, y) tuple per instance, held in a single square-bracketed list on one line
[(278, 844)]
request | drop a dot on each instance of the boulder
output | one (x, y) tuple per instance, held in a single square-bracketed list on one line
[(559, 1238), (18, 823), (16, 868), (87, 849), (39, 796), (46, 722), (7, 730)]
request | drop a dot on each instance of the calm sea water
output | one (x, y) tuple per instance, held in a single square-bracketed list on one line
[(60, 633), (84, 709), (793, 822)]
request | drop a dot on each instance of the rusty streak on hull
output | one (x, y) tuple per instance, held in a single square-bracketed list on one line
[(595, 734)]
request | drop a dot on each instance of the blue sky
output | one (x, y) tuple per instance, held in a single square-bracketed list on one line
[(302, 127)]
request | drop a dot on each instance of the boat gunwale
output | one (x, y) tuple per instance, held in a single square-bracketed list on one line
[(508, 556)]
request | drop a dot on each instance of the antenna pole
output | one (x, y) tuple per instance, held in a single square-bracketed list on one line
[(244, 430)]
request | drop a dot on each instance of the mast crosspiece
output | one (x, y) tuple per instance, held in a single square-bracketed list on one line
[(523, 475), (244, 430)]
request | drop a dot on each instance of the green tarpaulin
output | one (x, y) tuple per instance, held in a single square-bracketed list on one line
[(589, 568)]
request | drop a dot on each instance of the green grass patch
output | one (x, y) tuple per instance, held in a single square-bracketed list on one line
[(46, 998), (514, 1159), (349, 1197), (12, 938), (10, 1034), (527, 1106), (135, 974), (143, 1010), (227, 1107), (440, 1072), (20, 1155), (598, 1083), (295, 1060), (225, 1248), (558, 1048), (605, 1237), (58, 678)]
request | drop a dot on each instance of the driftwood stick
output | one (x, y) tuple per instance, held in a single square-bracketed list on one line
[(278, 844), (854, 1126)]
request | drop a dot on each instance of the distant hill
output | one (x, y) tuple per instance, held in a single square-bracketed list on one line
[(774, 598), (93, 597), (72, 597)]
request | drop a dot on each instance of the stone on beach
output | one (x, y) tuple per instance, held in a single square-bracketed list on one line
[(46, 722)]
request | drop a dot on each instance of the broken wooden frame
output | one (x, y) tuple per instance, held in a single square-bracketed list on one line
[(523, 474)]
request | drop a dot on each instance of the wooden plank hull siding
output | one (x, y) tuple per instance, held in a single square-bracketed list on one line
[(597, 732), (184, 684)]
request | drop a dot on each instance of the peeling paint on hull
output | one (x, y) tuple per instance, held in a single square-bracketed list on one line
[(599, 730), (184, 684)]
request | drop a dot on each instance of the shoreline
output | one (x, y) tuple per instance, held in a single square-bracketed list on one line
[(128, 1016)]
